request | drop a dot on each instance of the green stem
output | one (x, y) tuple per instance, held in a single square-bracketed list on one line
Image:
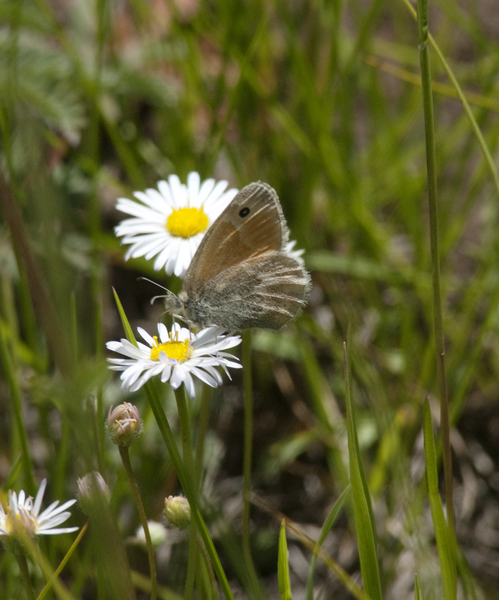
[(188, 456), (248, 444), (95, 414), (204, 419), (25, 578), (435, 253), (462, 97), (125, 457), (247, 464), (15, 395), (169, 440)]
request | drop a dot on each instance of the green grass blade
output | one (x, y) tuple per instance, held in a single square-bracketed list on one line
[(364, 519), (417, 593), (283, 566), (462, 97), (126, 325), (445, 542), (326, 528)]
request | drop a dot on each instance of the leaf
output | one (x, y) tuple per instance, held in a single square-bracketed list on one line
[(446, 548), (326, 528), (364, 519), (283, 566)]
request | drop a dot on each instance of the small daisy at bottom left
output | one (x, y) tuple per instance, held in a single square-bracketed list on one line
[(22, 515)]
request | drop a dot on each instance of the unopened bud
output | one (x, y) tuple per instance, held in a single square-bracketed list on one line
[(124, 424), (92, 489), (178, 511)]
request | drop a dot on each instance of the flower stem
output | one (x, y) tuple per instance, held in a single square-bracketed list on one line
[(248, 442), (424, 56), (188, 456), (25, 578), (247, 464), (204, 418), (125, 457), (16, 396), (169, 440)]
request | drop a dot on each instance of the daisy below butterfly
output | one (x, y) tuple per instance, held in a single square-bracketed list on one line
[(240, 270)]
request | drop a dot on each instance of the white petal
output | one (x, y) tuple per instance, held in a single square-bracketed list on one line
[(193, 181), (178, 193), (189, 385), (215, 194), (206, 189), (39, 497), (165, 190), (62, 530), (205, 377), (145, 336)]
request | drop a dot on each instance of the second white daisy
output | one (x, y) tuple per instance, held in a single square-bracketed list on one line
[(24, 513), (169, 223), (176, 356)]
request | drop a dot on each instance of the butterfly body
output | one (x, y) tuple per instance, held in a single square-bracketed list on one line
[(242, 274)]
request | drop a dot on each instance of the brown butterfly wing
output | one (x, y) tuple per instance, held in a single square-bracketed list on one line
[(251, 225), (263, 291)]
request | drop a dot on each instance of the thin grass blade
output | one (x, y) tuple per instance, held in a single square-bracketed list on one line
[(447, 550), (283, 566), (364, 519)]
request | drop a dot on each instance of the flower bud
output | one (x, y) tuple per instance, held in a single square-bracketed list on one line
[(124, 424), (178, 511), (92, 489)]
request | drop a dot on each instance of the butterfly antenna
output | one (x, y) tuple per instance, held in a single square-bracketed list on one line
[(154, 283), (154, 298)]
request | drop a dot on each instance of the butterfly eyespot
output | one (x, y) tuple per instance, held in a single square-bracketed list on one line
[(244, 212)]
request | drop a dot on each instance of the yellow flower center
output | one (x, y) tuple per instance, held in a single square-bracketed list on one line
[(187, 222), (20, 521), (180, 351)]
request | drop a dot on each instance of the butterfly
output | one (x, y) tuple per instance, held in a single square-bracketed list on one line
[(243, 273)]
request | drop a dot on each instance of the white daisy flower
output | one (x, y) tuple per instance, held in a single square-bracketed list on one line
[(23, 513), (170, 222), (297, 254), (176, 356)]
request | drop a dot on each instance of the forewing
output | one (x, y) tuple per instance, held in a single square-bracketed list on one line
[(253, 224)]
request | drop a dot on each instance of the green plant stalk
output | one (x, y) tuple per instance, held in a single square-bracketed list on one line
[(446, 543), (462, 97), (326, 528), (283, 565), (187, 454), (424, 56), (63, 562), (204, 419), (45, 567), (247, 463), (93, 407), (25, 578), (167, 435), (314, 547), (125, 457), (248, 444), (15, 395), (361, 499)]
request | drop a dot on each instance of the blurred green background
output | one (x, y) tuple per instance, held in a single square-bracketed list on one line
[(321, 99)]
